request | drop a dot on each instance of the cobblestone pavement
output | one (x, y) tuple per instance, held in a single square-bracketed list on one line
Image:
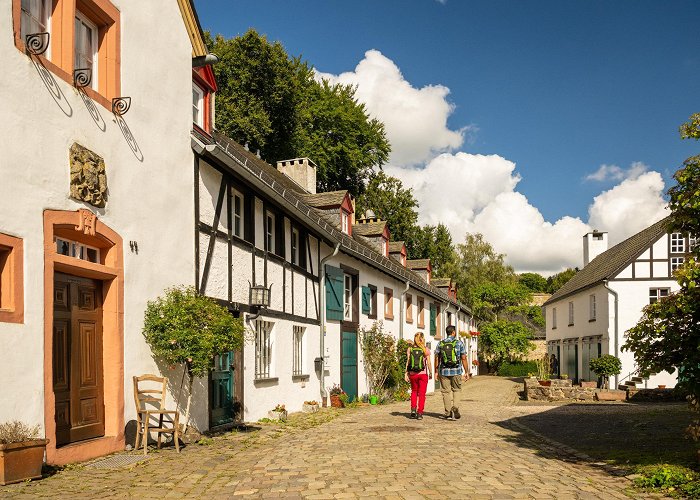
[(369, 451)]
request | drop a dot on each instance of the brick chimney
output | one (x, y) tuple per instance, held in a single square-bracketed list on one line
[(300, 170)]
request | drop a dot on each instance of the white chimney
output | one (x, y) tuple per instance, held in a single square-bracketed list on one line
[(594, 244), (300, 170)]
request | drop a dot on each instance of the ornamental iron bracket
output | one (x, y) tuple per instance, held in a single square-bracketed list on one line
[(82, 77), (121, 105), (37, 43)]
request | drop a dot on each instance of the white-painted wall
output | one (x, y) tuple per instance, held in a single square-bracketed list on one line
[(150, 190)]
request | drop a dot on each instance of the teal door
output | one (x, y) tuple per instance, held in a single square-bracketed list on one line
[(348, 364), (221, 390)]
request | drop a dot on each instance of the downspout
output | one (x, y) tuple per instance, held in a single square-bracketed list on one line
[(322, 316), (614, 293), (402, 312)]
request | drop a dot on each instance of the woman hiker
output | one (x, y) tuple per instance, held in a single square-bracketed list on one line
[(418, 372)]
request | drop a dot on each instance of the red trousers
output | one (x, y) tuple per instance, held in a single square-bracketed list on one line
[(419, 384)]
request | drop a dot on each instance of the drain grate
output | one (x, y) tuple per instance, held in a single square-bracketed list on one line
[(392, 428), (117, 461)]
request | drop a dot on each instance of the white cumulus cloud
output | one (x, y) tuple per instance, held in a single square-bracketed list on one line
[(415, 118), (615, 173)]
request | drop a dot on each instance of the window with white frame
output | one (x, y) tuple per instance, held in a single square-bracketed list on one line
[(197, 105), (294, 257), (35, 16), (263, 349), (591, 307), (298, 361), (237, 211), (554, 317), (77, 250), (677, 243), (270, 232), (345, 222), (347, 299), (676, 263), (656, 294), (85, 46), (571, 313)]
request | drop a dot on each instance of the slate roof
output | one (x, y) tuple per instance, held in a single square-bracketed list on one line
[(611, 262), (396, 246), (369, 228), (418, 263), (321, 200)]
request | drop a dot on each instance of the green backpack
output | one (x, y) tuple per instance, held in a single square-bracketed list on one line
[(416, 360), (448, 354)]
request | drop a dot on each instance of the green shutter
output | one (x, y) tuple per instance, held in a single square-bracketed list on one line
[(366, 300), (433, 318), (334, 293)]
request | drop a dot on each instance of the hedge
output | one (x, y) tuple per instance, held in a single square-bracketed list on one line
[(517, 368)]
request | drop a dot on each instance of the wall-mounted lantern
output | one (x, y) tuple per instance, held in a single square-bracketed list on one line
[(259, 296)]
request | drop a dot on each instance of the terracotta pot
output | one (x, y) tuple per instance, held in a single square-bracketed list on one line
[(21, 461), (277, 415), (545, 383), (336, 402)]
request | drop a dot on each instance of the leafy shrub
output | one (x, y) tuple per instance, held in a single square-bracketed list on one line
[(671, 477), (401, 394), (606, 366), (16, 432), (379, 353), (517, 368)]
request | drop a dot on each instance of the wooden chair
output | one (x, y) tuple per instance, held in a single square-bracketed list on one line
[(149, 396)]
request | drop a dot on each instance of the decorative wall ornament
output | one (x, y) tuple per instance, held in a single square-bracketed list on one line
[(87, 223), (88, 177), (37, 43), (121, 105), (82, 77)]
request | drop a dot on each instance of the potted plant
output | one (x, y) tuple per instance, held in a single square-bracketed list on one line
[(543, 370), (21, 452), (605, 367), (278, 413), (310, 406), (335, 393)]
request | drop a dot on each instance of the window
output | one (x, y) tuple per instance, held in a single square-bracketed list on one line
[(554, 318), (388, 303), (677, 243), (373, 302), (238, 219), (85, 47), (298, 362), (263, 349), (591, 307), (270, 232), (421, 312), (656, 294), (409, 308), (571, 313), (345, 222), (347, 299), (35, 17), (403, 260), (77, 250), (676, 263), (11, 280), (385, 247), (294, 257), (197, 106)]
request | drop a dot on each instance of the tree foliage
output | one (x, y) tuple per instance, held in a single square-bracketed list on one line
[(606, 366), (183, 327), (379, 355), (492, 299), (534, 282), (273, 102), (434, 243), (503, 340), (558, 280)]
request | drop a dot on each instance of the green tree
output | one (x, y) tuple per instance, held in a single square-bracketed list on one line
[(558, 280), (605, 367), (533, 282), (389, 200), (503, 340), (492, 299), (272, 102), (434, 243)]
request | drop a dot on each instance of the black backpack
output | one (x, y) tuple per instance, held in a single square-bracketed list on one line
[(416, 360), (448, 354)]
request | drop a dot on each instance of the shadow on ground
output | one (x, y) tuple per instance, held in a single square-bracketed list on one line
[(621, 434)]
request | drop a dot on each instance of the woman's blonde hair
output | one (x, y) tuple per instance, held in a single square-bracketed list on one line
[(419, 340)]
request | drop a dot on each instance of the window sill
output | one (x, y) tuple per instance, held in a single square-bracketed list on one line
[(554, 328), (591, 320), (371, 316), (420, 326), (301, 378), (409, 321), (390, 317), (270, 380), (571, 324)]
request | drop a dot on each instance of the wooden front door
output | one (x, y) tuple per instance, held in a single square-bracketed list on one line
[(222, 390), (77, 359), (348, 364)]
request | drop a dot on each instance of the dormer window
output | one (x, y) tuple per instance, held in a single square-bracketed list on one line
[(345, 221), (385, 247), (403, 260), (197, 106)]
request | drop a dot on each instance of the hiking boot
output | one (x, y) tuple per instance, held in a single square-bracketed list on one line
[(419, 416), (455, 412), (413, 413), (450, 415)]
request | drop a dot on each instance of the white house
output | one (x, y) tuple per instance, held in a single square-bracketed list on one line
[(590, 314)]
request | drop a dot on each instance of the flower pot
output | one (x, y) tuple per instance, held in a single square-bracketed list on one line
[(545, 383), (336, 402), (373, 400), (21, 461), (277, 415), (309, 408)]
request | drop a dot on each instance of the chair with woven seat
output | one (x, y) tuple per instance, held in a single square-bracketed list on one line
[(149, 396)]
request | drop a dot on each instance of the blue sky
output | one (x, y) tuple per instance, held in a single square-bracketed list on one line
[(558, 87)]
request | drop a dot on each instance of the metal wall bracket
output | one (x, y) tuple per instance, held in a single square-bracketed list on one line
[(37, 43), (82, 77), (121, 105)]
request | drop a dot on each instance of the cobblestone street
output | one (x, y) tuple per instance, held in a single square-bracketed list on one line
[(369, 451)]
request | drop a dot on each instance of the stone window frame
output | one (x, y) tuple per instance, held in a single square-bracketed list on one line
[(11, 279)]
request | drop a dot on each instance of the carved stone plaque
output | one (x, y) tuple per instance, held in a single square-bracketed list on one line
[(88, 177)]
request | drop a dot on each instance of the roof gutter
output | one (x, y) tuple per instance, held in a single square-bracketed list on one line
[(614, 294)]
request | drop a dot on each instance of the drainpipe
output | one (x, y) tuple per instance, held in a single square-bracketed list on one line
[(614, 294), (402, 313), (322, 316)]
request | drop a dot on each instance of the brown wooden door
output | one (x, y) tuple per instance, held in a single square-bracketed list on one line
[(77, 359)]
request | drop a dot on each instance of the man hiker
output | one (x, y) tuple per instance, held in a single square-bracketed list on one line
[(450, 357)]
